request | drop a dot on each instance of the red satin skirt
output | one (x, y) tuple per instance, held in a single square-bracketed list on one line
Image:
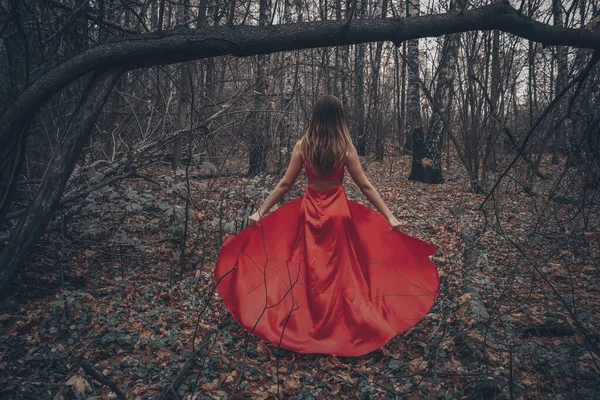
[(324, 274)]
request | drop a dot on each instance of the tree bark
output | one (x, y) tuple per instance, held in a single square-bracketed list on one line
[(184, 88), (39, 213), (405, 140), (399, 96), (561, 81), (414, 122), (359, 105), (379, 139), (260, 143), (489, 162), (443, 99)]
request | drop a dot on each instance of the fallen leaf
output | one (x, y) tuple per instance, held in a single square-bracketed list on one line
[(79, 385)]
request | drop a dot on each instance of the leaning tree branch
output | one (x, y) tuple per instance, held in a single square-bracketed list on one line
[(37, 216), (184, 44)]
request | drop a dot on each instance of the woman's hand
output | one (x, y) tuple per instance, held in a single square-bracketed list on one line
[(394, 224), (253, 219)]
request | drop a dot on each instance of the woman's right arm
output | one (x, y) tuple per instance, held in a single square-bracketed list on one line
[(358, 176), (284, 185)]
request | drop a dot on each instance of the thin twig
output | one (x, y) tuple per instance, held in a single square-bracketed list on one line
[(100, 377)]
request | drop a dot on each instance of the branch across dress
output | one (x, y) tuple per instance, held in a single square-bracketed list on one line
[(324, 274)]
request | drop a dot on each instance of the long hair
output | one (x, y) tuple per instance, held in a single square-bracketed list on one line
[(327, 139)]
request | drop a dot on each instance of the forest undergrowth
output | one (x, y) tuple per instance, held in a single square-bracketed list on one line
[(114, 299)]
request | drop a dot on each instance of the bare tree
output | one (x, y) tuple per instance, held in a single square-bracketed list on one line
[(414, 120), (259, 136), (443, 102)]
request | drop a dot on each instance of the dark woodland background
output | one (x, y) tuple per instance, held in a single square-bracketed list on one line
[(135, 135)]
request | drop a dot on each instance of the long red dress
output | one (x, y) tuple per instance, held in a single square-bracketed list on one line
[(324, 274)]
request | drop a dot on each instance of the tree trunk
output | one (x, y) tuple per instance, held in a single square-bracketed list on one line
[(443, 100), (414, 123), (406, 140), (561, 82), (184, 88), (399, 96), (259, 145), (290, 79), (379, 139), (39, 213), (359, 105)]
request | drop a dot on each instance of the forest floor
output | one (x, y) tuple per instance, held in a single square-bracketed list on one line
[(516, 317)]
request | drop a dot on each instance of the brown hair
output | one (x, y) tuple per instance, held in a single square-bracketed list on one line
[(327, 139)]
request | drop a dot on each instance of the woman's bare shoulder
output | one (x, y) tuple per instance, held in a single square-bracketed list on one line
[(298, 148), (351, 151)]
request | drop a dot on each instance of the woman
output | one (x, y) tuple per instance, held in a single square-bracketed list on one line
[(323, 274)]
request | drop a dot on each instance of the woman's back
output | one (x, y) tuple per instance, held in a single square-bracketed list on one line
[(324, 182)]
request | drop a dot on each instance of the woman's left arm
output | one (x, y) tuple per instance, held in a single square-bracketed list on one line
[(284, 185)]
